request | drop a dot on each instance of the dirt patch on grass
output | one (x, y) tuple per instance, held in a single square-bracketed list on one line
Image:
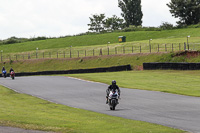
[(189, 54)]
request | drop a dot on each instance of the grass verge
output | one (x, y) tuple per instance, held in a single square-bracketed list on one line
[(24, 111), (135, 60), (171, 81)]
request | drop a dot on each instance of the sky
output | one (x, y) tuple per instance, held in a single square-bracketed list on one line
[(55, 18)]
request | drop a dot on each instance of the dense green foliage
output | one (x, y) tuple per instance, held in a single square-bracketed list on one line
[(114, 23), (97, 23), (166, 26), (13, 39), (188, 11), (131, 12), (101, 24)]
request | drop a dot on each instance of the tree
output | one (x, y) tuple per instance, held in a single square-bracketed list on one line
[(114, 23), (188, 11), (131, 11), (97, 23)]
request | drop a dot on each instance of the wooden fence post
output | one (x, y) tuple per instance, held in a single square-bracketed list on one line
[(140, 49), (150, 48), (85, 53), (108, 50), (93, 52), (78, 53), (115, 50), (43, 55), (158, 47), (194, 47), (172, 47), (132, 49), (101, 52), (179, 46), (70, 53), (165, 47), (184, 46), (123, 50)]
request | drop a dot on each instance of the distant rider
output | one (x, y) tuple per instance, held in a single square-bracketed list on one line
[(3, 69), (11, 69), (113, 87)]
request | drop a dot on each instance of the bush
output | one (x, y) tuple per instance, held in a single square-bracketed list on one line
[(194, 26), (166, 26), (11, 40), (38, 38), (140, 28), (152, 29)]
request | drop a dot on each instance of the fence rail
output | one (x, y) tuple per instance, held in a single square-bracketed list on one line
[(75, 53)]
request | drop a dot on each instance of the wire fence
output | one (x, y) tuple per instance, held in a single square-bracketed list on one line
[(77, 53)]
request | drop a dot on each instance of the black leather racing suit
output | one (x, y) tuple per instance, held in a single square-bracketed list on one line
[(11, 70), (112, 88)]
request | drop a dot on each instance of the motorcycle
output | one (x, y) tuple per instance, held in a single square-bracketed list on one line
[(4, 73), (12, 74), (113, 100)]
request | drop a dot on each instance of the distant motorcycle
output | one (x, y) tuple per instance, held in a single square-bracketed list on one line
[(12, 74), (4, 73), (113, 100)]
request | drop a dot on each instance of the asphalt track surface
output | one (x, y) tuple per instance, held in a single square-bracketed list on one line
[(177, 111)]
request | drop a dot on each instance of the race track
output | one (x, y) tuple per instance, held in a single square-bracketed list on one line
[(182, 112)]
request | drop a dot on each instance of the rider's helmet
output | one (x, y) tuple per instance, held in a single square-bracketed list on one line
[(113, 82)]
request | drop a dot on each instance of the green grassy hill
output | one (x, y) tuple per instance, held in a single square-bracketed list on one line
[(89, 42), (165, 36)]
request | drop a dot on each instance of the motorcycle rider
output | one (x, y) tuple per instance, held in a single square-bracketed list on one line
[(3, 69), (3, 72), (11, 69), (113, 87)]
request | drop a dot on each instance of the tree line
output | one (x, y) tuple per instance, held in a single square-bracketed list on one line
[(188, 12)]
